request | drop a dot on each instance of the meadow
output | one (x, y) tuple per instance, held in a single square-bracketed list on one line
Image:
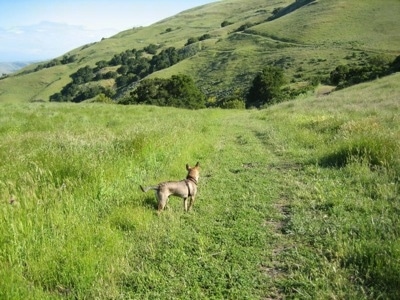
[(298, 201)]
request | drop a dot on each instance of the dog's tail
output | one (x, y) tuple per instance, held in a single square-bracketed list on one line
[(148, 188)]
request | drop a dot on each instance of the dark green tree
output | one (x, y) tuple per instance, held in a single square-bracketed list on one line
[(151, 49), (191, 40), (83, 75), (226, 23), (205, 37), (183, 92), (395, 65), (178, 91), (266, 87)]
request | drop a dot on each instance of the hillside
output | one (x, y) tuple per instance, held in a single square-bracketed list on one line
[(306, 38)]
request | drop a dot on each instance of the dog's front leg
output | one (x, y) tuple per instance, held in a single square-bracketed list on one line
[(185, 204)]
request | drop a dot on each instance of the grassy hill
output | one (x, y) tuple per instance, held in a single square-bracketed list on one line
[(307, 40), (299, 200)]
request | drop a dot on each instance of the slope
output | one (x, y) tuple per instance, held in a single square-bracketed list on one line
[(307, 42)]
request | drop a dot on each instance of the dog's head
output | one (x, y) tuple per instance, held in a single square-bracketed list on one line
[(193, 172)]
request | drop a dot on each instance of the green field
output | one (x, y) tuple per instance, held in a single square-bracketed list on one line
[(297, 201)]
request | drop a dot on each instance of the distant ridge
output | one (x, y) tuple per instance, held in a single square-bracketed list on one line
[(11, 67)]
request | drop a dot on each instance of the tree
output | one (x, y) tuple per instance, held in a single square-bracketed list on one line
[(226, 23), (83, 75), (395, 65), (266, 87), (183, 92), (339, 75), (151, 49), (205, 37), (178, 91), (191, 40)]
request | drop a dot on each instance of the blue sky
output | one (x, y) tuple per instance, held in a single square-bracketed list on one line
[(43, 29)]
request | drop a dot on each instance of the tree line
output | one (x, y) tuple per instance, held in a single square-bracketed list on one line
[(377, 66), (132, 67), (266, 88)]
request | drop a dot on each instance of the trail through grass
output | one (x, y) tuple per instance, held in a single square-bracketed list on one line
[(273, 219)]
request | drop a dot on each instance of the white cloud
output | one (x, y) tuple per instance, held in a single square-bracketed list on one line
[(65, 25), (14, 31), (46, 40)]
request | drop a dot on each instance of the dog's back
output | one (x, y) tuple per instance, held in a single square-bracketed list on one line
[(185, 189)]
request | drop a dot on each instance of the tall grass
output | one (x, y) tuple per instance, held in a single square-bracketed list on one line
[(286, 207), (342, 209)]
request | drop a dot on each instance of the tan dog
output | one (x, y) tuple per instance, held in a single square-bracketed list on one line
[(185, 189)]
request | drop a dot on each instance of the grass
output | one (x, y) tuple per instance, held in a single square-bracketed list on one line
[(349, 27), (273, 219)]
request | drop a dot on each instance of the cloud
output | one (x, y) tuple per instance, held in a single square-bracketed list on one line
[(46, 40)]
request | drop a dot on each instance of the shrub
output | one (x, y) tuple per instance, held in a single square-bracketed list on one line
[(266, 87), (395, 65), (226, 23), (101, 98), (205, 37), (191, 40), (376, 66), (151, 49), (233, 104), (339, 75), (244, 26)]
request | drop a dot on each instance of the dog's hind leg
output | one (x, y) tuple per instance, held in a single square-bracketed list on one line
[(185, 204), (162, 202)]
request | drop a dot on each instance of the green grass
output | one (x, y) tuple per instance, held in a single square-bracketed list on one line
[(272, 218), (355, 25)]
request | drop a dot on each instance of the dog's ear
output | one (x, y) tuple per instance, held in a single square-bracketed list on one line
[(198, 164), (187, 167)]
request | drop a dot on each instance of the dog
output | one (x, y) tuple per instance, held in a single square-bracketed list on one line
[(185, 189)]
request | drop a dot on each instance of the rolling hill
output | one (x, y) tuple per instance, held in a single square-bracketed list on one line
[(307, 39)]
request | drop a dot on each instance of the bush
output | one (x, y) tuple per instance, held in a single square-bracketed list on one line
[(266, 87), (151, 49), (101, 98), (191, 40), (376, 66), (233, 104), (205, 37), (226, 23), (395, 65), (244, 26)]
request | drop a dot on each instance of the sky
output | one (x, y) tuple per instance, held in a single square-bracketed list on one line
[(36, 30)]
